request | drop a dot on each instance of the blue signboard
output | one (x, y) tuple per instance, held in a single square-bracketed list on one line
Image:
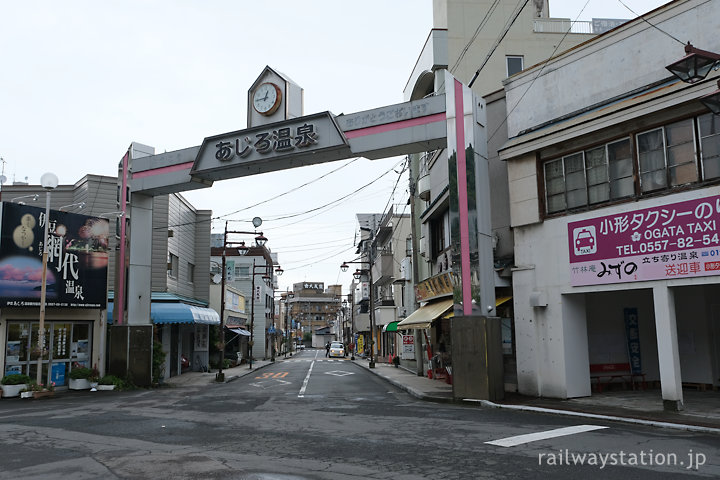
[(57, 373)]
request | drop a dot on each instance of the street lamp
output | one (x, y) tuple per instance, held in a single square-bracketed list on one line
[(357, 275), (49, 182), (694, 67), (241, 250), (33, 196)]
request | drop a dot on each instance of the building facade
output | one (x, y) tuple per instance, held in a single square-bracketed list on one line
[(614, 194)]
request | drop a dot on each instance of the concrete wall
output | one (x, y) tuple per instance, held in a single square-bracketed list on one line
[(614, 64)]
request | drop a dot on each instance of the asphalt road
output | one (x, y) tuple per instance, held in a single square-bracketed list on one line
[(313, 418)]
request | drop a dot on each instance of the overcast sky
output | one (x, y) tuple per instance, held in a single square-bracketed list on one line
[(82, 79)]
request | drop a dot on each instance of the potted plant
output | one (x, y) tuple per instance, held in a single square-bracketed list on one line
[(13, 384), (108, 382), (94, 378), (38, 390), (79, 378)]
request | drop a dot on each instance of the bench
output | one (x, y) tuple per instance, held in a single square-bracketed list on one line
[(606, 373)]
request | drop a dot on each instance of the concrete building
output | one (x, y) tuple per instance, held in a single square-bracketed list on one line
[(481, 45), (614, 192), (253, 274), (314, 307)]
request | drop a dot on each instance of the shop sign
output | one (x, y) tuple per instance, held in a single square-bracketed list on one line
[(77, 258), (437, 286), (679, 240), (408, 347), (632, 329)]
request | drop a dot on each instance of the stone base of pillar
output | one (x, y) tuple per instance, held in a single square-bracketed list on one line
[(672, 405)]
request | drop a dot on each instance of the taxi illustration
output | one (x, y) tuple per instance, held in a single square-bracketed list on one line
[(584, 239)]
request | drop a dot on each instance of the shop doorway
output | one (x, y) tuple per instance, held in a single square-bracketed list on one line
[(69, 346)]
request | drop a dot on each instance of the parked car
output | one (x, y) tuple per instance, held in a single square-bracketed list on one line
[(337, 349)]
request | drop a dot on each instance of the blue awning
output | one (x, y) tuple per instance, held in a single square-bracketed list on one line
[(174, 312)]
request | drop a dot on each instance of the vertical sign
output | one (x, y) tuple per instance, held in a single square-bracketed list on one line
[(633, 338), (408, 347)]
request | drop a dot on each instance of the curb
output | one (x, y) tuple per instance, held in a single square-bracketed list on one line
[(248, 371), (570, 413)]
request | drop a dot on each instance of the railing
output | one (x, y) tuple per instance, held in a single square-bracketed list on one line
[(561, 25)]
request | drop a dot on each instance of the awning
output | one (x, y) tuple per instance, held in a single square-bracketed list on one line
[(423, 316), (240, 331), (174, 312), (391, 327)]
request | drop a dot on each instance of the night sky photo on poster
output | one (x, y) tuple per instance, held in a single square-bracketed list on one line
[(77, 258)]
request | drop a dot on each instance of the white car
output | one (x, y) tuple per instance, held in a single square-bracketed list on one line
[(337, 349), (299, 346)]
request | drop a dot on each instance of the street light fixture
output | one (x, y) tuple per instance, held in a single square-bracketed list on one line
[(357, 275), (33, 196), (695, 65), (49, 182)]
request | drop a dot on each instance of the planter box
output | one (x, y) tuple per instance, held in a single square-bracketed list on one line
[(26, 394), (13, 390), (106, 387), (44, 394), (79, 384)]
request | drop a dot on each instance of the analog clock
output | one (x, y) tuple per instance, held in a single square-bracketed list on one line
[(266, 98)]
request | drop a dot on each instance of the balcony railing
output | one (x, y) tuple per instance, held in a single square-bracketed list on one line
[(561, 25)]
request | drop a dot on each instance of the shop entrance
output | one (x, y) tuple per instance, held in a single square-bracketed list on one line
[(69, 346)]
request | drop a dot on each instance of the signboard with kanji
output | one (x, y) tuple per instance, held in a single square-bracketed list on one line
[(77, 258), (677, 240)]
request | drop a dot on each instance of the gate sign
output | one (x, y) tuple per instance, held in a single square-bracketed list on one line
[(678, 240), (408, 347), (291, 143)]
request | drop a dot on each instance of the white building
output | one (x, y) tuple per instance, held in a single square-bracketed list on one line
[(615, 207)]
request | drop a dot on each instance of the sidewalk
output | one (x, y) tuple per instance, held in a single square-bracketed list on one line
[(645, 407), (701, 413)]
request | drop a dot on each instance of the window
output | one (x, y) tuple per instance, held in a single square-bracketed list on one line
[(667, 156), (190, 272), (710, 145), (676, 154), (172, 265), (514, 64), (242, 271), (440, 234)]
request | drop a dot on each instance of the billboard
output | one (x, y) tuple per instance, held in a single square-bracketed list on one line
[(677, 240), (77, 258)]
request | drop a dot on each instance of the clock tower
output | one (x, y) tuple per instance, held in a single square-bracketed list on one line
[(273, 97)]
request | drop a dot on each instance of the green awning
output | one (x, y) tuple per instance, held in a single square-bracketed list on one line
[(391, 327)]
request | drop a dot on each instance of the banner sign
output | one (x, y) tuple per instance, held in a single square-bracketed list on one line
[(678, 240), (77, 258), (632, 329)]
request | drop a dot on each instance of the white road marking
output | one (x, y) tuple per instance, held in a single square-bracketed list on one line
[(339, 373), (534, 437), (305, 382)]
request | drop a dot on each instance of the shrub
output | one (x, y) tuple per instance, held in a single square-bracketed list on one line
[(15, 379), (80, 372)]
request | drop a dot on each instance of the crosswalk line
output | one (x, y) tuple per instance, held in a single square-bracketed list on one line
[(534, 437)]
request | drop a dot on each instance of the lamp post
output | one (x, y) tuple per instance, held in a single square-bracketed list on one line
[(241, 249), (49, 182), (357, 275), (693, 68)]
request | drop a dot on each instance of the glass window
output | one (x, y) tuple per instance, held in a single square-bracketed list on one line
[(651, 154), (242, 271), (597, 175), (681, 152), (710, 145), (554, 186), (620, 169), (575, 180), (514, 64)]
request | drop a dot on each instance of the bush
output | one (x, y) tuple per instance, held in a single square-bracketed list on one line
[(109, 380), (80, 372), (15, 379)]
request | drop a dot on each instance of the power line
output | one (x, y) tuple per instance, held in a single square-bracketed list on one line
[(477, 32), (499, 40), (652, 25)]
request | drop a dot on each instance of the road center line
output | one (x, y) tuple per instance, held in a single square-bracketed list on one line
[(534, 437), (305, 382)]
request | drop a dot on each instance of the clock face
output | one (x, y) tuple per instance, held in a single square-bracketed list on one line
[(266, 98)]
